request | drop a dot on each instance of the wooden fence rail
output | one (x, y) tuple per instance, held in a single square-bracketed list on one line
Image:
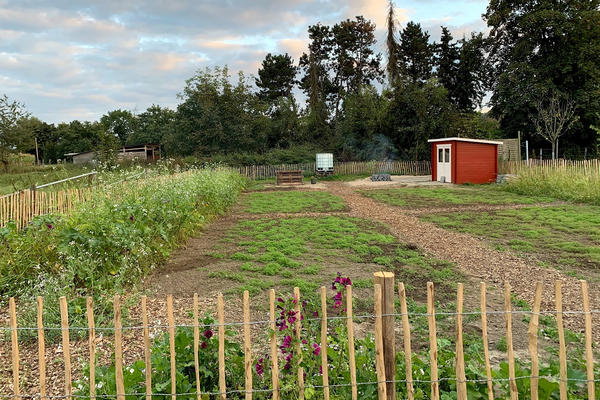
[(384, 318)]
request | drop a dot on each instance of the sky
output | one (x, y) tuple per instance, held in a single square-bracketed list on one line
[(80, 59)]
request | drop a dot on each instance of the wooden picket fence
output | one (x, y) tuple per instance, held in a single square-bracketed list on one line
[(515, 167), (384, 317), (342, 168), (21, 207)]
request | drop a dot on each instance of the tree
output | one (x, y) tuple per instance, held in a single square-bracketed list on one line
[(119, 123), (416, 54), (391, 47), (217, 117), (555, 115), (447, 56), (547, 44), (276, 78), (470, 83), (152, 125), (12, 139)]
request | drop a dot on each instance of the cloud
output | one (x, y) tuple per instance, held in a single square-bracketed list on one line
[(68, 59)]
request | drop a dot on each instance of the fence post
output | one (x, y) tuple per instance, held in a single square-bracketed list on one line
[(386, 281)]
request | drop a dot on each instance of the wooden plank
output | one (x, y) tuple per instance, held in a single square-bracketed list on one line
[(435, 386), (15, 346), (514, 393), (147, 352), (386, 281), (274, 361), (324, 363), (247, 346), (461, 384), (379, 360), (221, 313), (351, 354), (118, 349), (89, 302), (196, 345), (298, 324), (589, 355), (410, 392), (173, 355), (486, 349), (533, 341), (300, 383), (562, 349), (41, 346), (64, 324)]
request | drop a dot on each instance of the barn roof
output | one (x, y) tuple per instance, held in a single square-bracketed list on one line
[(457, 139)]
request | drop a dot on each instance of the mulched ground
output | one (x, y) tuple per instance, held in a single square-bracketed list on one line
[(476, 259)]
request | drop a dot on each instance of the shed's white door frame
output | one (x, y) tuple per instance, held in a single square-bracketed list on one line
[(444, 165)]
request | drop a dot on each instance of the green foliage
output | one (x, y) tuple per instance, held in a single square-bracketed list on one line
[(292, 202), (110, 242)]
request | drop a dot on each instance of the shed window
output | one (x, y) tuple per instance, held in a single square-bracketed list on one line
[(440, 155), (447, 155)]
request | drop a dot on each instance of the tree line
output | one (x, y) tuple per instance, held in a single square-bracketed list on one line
[(539, 64)]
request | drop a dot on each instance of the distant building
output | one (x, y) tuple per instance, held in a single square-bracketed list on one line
[(149, 152)]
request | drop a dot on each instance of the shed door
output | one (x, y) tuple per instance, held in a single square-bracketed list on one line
[(443, 163)]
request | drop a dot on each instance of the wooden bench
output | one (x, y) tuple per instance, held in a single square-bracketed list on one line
[(290, 177)]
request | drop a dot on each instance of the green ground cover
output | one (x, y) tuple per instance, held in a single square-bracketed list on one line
[(308, 252), (443, 197), (291, 202), (23, 177), (565, 236)]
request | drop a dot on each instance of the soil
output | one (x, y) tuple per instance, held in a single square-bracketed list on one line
[(187, 272)]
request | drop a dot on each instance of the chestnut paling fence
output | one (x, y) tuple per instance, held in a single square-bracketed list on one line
[(384, 317)]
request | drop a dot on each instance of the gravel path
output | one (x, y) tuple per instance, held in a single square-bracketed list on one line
[(475, 258)]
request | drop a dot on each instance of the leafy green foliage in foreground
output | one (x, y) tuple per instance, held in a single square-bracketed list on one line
[(109, 243), (443, 197), (292, 202), (568, 234)]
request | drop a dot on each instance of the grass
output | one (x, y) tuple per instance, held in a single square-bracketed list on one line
[(20, 178), (308, 252), (444, 197), (291, 202), (561, 236), (577, 184)]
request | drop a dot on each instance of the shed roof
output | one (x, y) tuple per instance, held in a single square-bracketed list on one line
[(457, 139)]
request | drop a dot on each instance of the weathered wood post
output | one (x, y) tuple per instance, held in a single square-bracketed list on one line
[(386, 281)]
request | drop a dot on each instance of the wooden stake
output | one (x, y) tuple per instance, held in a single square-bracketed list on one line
[(386, 280), (351, 355), (15, 345), (274, 362), (220, 312), (247, 346), (196, 344), (589, 356), (324, 363), (435, 386), (171, 320), (300, 383), (461, 384), (91, 344), (64, 323), (562, 350), (486, 349), (410, 392), (514, 393), (147, 353), (41, 346), (298, 324), (379, 358), (533, 341), (118, 349)]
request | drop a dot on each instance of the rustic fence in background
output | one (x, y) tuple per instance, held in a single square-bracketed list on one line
[(342, 168), (514, 167), (384, 318)]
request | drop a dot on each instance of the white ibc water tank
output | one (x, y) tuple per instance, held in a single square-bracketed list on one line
[(324, 163)]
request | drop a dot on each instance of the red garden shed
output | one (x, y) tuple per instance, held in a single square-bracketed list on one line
[(459, 160)]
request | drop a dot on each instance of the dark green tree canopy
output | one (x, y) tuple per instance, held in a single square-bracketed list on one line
[(416, 54), (277, 77)]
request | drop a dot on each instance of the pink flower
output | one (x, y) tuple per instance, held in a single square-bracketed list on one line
[(208, 334), (338, 296), (337, 304), (259, 367), (203, 345), (317, 349)]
